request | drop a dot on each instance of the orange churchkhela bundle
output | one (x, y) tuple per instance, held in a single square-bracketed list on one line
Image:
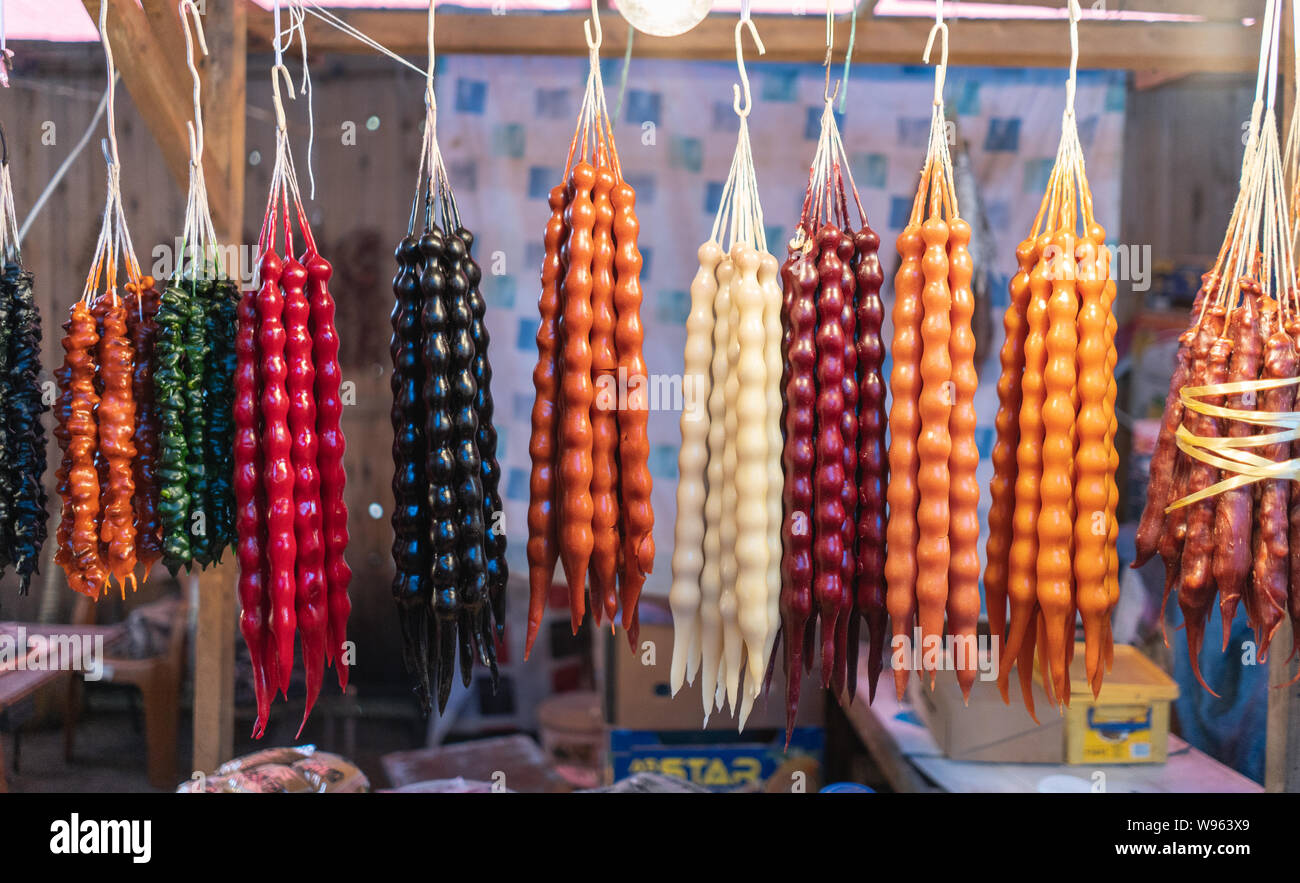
[(105, 479), (932, 535), (589, 489), (1051, 548), (1222, 510)]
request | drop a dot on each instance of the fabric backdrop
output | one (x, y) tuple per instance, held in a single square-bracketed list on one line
[(505, 125)]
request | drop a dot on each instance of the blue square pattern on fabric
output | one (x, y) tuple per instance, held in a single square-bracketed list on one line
[(508, 140), (724, 117), (534, 254), (998, 213), (1003, 135), (672, 307), (914, 132), (644, 185), (471, 95), (984, 438), (553, 104), (871, 170), (500, 290), (646, 254), (712, 197), (526, 339), (465, 174), (503, 436), (1088, 130), (900, 211), (517, 484), (1116, 97), (775, 243), (685, 153), (643, 106), (663, 461), (968, 99), (1037, 173), (540, 181), (778, 82), (521, 403)]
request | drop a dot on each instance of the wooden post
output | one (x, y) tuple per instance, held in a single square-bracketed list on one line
[(223, 73)]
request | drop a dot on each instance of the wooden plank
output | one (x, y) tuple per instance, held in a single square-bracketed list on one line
[(1218, 47), (159, 84), (224, 73), (1214, 10)]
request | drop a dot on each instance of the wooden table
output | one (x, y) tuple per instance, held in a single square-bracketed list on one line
[(912, 761), (16, 686)]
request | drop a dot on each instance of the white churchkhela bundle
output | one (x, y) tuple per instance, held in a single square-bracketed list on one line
[(726, 558)]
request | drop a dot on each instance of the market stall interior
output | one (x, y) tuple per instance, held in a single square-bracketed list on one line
[(743, 402)]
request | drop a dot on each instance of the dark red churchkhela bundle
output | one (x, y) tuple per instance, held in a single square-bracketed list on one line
[(289, 479), (835, 472)]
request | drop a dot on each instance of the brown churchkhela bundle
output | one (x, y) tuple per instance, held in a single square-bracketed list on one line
[(589, 491), (1051, 547), (932, 566), (109, 521), (1221, 510), (834, 421)]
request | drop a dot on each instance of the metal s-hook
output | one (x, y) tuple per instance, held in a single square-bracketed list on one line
[(830, 45), (275, 93), (743, 112), (1075, 14), (941, 70), (196, 132), (593, 44)]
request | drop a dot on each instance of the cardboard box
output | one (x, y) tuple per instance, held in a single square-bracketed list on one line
[(638, 695), (721, 761), (1127, 723)]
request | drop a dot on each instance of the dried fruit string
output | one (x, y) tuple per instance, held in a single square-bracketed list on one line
[(1223, 473), (22, 436), (288, 465), (448, 539), (726, 585), (1051, 551), (932, 566), (96, 408), (194, 354), (834, 422), (589, 488)]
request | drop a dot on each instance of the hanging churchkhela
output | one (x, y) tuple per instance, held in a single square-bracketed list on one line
[(834, 417), (107, 525), (932, 568), (22, 436), (1051, 549), (726, 585), (193, 380), (1222, 510), (589, 490), (290, 514), (448, 538)]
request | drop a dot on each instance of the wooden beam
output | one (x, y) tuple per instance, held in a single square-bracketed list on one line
[(159, 85), (1181, 47), (224, 74)]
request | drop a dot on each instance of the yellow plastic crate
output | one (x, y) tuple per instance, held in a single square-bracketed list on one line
[(1128, 722)]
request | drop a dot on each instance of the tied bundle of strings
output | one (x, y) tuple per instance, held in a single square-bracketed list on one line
[(589, 488), (291, 518), (932, 568), (834, 421), (448, 534), (1051, 549), (193, 393), (726, 586), (22, 436), (1222, 510)]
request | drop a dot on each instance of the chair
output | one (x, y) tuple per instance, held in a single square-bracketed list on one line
[(158, 679)]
